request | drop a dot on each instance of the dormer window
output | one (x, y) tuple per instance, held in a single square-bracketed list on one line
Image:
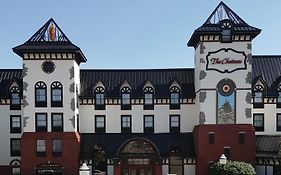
[(148, 98), (278, 101), (56, 94), (15, 102), (125, 98), (40, 94), (175, 97), (99, 98), (258, 96), (226, 34)]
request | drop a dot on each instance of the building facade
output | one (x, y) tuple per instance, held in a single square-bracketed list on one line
[(55, 116)]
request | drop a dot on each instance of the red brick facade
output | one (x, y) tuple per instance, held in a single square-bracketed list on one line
[(224, 136), (70, 152)]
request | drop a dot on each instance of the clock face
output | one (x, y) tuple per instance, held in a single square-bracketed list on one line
[(48, 66)]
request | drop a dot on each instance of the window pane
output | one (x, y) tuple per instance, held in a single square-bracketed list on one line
[(148, 121), (41, 119), (40, 95), (57, 145), (99, 99), (57, 120), (148, 98), (258, 120), (174, 98), (126, 122), (125, 99), (16, 145), (56, 95), (100, 122), (174, 121), (15, 99), (41, 145), (258, 97), (16, 122)]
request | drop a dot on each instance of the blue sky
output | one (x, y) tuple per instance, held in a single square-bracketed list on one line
[(131, 33)]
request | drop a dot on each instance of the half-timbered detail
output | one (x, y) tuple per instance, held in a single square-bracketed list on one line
[(54, 116)]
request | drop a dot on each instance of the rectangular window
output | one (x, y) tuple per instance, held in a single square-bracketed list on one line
[(126, 101), (100, 124), (148, 101), (57, 147), (126, 124), (56, 100), (175, 100), (148, 124), (15, 103), (174, 123), (258, 100), (241, 137), (211, 138), (41, 122), (278, 122), (57, 122), (226, 35), (259, 122), (99, 101), (15, 147), (41, 148), (15, 124)]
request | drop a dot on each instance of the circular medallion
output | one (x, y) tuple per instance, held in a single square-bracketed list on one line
[(48, 66), (226, 87)]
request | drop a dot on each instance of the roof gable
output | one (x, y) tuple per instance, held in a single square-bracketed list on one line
[(223, 12)]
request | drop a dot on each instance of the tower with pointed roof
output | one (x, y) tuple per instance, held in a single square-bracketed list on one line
[(51, 81), (223, 66)]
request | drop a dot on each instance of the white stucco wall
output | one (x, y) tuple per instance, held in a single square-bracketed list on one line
[(161, 113), (270, 111), (208, 83), (5, 134), (61, 74)]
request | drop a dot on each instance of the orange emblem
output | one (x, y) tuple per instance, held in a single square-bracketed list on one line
[(52, 33)]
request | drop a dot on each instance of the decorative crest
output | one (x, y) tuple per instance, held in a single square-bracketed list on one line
[(49, 32), (223, 12)]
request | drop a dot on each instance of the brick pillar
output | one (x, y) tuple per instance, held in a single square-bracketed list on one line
[(117, 169), (158, 169)]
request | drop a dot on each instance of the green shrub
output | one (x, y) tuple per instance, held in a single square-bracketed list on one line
[(232, 168)]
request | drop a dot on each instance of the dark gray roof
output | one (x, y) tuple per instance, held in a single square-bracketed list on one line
[(7, 77), (267, 68), (41, 42), (213, 24), (161, 79), (268, 146), (112, 142)]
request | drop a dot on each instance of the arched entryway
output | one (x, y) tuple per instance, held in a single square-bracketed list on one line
[(176, 160), (138, 157)]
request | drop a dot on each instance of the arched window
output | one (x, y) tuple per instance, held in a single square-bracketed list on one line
[(15, 101), (226, 33), (125, 98), (40, 94), (278, 101), (175, 97), (226, 102), (15, 165), (99, 98), (148, 98), (258, 96), (56, 94)]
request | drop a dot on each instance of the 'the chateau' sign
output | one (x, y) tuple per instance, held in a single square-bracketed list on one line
[(226, 60)]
